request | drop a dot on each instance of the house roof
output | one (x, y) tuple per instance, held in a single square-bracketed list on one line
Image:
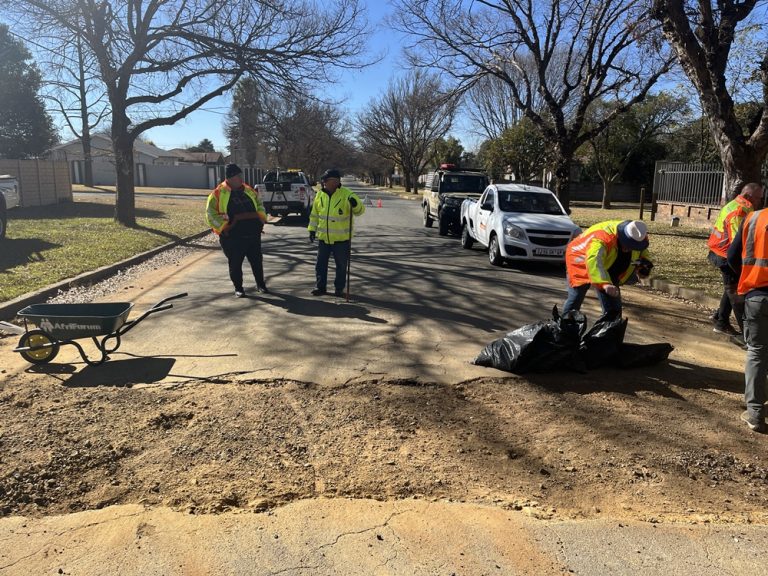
[(102, 142), (202, 157)]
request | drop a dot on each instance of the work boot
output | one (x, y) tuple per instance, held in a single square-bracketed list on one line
[(262, 289), (725, 328), (339, 293), (755, 423), (318, 292), (240, 293)]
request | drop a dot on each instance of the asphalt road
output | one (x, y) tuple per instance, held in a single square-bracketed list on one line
[(421, 307)]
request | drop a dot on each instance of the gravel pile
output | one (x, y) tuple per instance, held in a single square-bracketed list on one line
[(127, 276)]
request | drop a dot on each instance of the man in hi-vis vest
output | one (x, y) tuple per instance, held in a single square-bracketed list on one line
[(748, 255), (331, 223), (723, 232), (606, 256)]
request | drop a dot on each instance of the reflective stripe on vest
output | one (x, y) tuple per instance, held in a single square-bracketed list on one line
[(330, 216), (754, 252), (727, 224), (590, 255), (218, 200)]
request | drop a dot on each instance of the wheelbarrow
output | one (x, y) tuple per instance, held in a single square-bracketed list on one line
[(61, 324)]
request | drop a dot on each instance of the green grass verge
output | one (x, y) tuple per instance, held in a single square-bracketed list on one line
[(48, 244), (680, 253)]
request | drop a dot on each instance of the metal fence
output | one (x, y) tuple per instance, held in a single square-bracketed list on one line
[(693, 184)]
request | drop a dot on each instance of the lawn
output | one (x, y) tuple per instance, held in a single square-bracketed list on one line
[(45, 245)]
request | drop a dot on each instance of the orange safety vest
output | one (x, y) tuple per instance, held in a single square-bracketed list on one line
[(590, 255), (727, 224), (754, 252)]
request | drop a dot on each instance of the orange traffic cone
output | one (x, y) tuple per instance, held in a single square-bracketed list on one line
[(378, 204)]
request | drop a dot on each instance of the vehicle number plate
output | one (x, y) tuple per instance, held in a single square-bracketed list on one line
[(548, 251), (280, 207)]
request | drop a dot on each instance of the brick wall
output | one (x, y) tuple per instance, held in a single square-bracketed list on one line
[(41, 182), (686, 212)]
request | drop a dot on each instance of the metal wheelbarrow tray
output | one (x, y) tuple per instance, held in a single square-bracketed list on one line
[(60, 324)]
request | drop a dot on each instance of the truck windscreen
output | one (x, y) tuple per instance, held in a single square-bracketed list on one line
[(462, 183)]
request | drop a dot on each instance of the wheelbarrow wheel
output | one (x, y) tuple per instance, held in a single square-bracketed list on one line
[(35, 338)]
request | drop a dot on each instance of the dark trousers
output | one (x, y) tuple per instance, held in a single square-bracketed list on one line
[(238, 249), (340, 251), (730, 300), (611, 305)]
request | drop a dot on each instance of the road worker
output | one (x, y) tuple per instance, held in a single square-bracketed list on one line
[(748, 257), (605, 256), (726, 226), (330, 222), (236, 214)]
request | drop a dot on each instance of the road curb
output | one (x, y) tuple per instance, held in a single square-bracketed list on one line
[(9, 309), (685, 293)]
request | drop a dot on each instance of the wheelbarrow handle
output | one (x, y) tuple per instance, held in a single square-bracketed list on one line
[(156, 306)]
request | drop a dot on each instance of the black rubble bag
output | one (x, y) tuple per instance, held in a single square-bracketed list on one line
[(640, 355), (601, 344), (539, 347)]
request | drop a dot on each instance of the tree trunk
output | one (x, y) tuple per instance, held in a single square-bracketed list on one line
[(606, 194), (125, 205), (86, 129), (741, 166), (407, 179), (562, 179), (87, 155)]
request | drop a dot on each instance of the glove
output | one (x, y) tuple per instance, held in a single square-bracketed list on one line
[(611, 290), (312, 235), (352, 202), (644, 267)]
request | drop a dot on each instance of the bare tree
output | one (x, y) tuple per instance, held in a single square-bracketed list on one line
[(614, 147), (294, 129), (404, 123), (583, 51), (74, 88), (491, 107), (702, 35), (161, 60)]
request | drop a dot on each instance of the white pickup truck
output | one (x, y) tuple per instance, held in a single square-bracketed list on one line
[(517, 222), (287, 192)]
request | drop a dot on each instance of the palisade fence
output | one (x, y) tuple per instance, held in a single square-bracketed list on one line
[(41, 182), (688, 184)]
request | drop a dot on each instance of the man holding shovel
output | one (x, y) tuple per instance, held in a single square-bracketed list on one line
[(330, 222)]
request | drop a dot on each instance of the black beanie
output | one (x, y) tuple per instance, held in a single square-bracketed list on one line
[(330, 174), (232, 170)]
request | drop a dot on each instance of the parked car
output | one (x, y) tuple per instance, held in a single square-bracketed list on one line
[(444, 192), (517, 222), (287, 192), (9, 198)]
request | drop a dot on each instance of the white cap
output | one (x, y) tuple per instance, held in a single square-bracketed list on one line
[(637, 230)]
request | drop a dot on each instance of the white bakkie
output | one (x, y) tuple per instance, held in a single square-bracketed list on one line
[(517, 222)]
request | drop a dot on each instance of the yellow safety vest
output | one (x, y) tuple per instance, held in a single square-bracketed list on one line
[(216, 207), (330, 216)]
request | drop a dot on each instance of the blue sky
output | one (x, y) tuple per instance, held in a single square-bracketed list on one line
[(355, 87)]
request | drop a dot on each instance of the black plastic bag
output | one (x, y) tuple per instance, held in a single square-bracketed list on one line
[(601, 345), (538, 347), (639, 355)]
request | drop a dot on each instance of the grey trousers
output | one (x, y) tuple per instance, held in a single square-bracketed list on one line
[(756, 365)]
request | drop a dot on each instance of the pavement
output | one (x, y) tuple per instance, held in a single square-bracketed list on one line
[(421, 308)]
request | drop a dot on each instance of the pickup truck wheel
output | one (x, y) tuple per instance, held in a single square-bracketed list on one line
[(494, 253), (466, 237), (442, 226), (427, 218)]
